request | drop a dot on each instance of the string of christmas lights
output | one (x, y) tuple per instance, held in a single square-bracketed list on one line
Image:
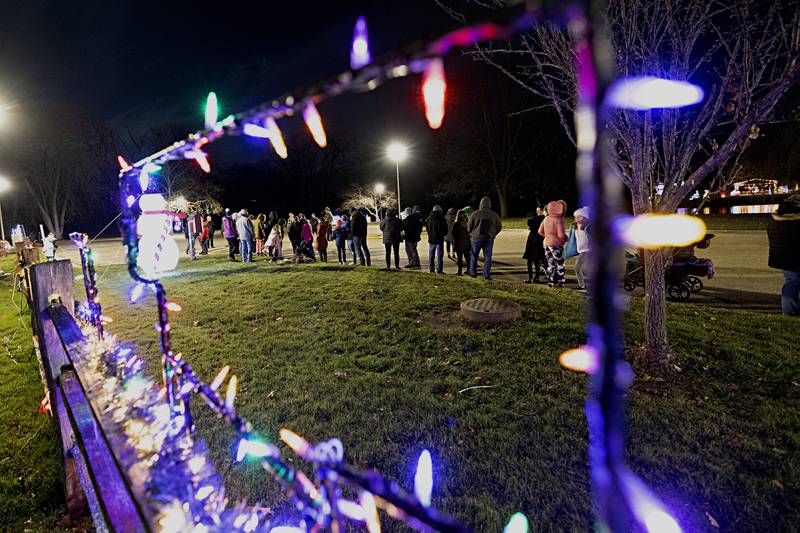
[(320, 501)]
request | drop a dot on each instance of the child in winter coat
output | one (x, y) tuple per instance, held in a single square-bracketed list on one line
[(581, 232), (555, 237), (275, 241), (340, 238), (307, 236), (321, 242)]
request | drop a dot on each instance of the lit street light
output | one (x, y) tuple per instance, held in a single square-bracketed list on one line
[(380, 188), (4, 186), (397, 152)]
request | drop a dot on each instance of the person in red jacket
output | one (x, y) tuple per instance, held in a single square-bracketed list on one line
[(555, 237)]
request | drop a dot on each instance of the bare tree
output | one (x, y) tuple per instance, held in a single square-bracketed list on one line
[(358, 197), (746, 53), (58, 170)]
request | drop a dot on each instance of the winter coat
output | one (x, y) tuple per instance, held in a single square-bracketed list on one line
[(228, 228), (261, 227), (358, 225), (244, 227), (340, 236), (412, 227), (436, 226), (295, 231), (461, 240), (198, 220), (484, 223), (322, 235), (784, 235), (305, 232), (275, 236), (392, 228), (451, 220), (552, 227), (534, 247)]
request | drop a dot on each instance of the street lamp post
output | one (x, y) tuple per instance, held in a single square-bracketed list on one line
[(397, 152), (4, 186)]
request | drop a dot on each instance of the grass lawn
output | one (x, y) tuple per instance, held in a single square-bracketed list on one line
[(379, 359), (31, 492)]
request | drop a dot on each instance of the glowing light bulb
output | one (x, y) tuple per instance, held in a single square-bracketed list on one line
[(423, 479), (314, 124), (212, 110), (652, 231), (359, 52), (254, 448), (351, 509), (298, 444), (434, 87), (370, 512), (254, 130), (202, 161), (276, 137), (581, 359), (518, 523), (230, 394), (204, 492), (658, 521), (649, 92), (220, 377)]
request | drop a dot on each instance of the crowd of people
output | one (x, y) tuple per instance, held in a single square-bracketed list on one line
[(462, 234)]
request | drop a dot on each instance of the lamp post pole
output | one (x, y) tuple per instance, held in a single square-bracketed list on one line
[(2, 228), (399, 209)]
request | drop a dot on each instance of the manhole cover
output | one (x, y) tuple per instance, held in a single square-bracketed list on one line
[(489, 310)]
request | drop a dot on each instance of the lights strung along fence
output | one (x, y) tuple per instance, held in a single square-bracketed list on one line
[(151, 428)]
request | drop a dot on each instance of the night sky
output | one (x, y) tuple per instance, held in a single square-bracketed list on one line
[(136, 64)]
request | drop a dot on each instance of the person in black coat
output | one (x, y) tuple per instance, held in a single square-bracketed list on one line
[(462, 245), (392, 228), (436, 225), (294, 231), (358, 228), (412, 232), (534, 247), (784, 250)]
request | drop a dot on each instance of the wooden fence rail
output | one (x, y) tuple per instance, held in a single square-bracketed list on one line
[(95, 484)]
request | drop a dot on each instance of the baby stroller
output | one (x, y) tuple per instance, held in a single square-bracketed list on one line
[(683, 275)]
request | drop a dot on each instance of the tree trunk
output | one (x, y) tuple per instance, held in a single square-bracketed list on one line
[(655, 312), (503, 197)]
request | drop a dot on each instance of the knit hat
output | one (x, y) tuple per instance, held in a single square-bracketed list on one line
[(583, 212), (437, 208)]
